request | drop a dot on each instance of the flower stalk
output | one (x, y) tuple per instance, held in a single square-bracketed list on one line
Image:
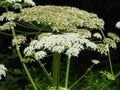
[(23, 64), (56, 69), (46, 72), (108, 54), (81, 76), (67, 72)]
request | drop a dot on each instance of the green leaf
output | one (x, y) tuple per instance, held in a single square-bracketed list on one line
[(110, 76)]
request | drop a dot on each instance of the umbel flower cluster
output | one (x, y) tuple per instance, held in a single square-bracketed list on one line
[(3, 70), (70, 44), (66, 30), (56, 18)]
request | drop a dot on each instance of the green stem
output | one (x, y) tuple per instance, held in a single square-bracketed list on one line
[(56, 69), (67, 73), (29, 76), (25, 33), (26, 26), (109, 58), (81, 77), (6, 8), (102, 33), (46, 72), (25, 67), (6, 34)]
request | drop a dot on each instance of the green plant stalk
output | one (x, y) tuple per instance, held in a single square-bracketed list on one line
[(56, 69), (24, 66), (109, 57), (81, 76), (6, 34), (46, 72), (6, 8), (67, 73)]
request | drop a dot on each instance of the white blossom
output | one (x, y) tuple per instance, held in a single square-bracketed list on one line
[(84, 33), (58, 49), (40, 55), (97, 35), (113, 36), (118, 25), (29, 51), (18, 0), (19, 39), (103, 48), (90, 44), (72, 52), (3, 70), (29, 2), (69, 43), (110, 42)]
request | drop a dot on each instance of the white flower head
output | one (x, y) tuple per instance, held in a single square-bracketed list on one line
[(84, 33), (118, 25), (19, 39), (72, 52), (18, 0), (110, 42), (90, 44), (58, 49), (40, 55), (29, 2), (113, 36), (97, 35), (29, 51), (3, 70), (103, 48)]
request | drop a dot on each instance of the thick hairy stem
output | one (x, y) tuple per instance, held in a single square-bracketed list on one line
[(56, 69), (67, 73)]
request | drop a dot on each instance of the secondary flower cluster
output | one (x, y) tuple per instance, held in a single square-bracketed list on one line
[(69, 43), (7, 26), (3, 70), (19, 39)]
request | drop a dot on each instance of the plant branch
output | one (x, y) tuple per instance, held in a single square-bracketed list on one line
[(81, 77), (46, 72), (25, 67), (67, 73)]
